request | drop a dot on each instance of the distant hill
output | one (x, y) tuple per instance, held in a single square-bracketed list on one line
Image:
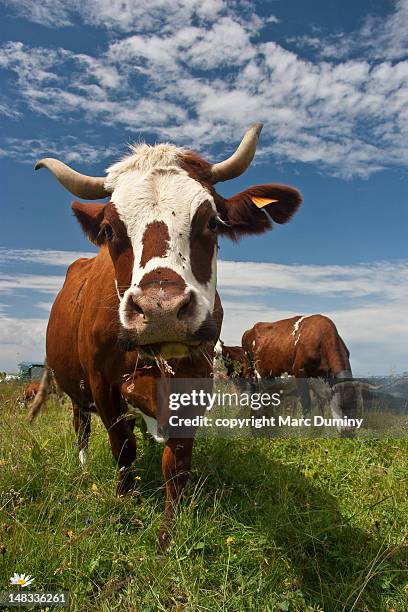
[(392, 394), (396, 385)]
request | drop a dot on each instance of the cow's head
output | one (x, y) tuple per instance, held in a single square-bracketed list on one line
[(161, 227)]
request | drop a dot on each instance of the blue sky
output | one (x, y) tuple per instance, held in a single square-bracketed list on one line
[(329, 80)]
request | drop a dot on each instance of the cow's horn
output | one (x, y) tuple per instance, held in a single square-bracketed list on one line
[(240, 160), (81, 185)]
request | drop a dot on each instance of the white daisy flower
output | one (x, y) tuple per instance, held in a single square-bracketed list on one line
[(21, 580)]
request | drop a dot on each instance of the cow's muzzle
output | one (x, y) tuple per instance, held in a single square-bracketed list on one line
[(154, 316)]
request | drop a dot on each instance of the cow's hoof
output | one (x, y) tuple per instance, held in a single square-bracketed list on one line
[(126, 482)]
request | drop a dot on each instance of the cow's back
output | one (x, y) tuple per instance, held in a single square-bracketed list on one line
[(270, 346), (303, 345), (63, 328), (319, 350)]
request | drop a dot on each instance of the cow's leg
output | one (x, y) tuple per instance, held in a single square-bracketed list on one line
[(176, 464), (304, 395), (82, 426), (112, 408)]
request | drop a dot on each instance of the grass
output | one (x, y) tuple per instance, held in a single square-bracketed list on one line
[(293, 524)]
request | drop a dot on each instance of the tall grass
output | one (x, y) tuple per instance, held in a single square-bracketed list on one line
[(264, 525)]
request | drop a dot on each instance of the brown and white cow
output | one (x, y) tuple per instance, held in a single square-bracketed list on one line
[(45, 388), (305, 347), (29, 393), (234, 360), (151, 290)]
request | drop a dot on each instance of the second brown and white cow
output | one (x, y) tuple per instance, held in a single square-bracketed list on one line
[(305, 347), (150, 292)]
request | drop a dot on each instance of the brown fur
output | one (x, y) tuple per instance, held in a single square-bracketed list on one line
[(169, 278), (203, 242), (30, 391), (103, 226), (155, 242), (315, 350)]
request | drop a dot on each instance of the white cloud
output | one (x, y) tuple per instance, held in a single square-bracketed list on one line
[(44, 306), (388, 38), (21, 340), (120, 15), (348, 118), (69, 149), (38, 256), (7, 111), (367, 302), (46, 257), (377, 280), (156, 14), (380, 38), (226, 42), (51, 13), (10, 283)]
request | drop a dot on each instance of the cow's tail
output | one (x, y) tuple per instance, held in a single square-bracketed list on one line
[(42, 394)]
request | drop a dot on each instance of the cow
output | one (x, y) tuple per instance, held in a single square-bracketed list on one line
[(235, 361), (305, 347), (29, 393), (146, 306), (44, 388)]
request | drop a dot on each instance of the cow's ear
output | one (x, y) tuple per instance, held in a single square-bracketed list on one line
[(253, 211), (90, 217)]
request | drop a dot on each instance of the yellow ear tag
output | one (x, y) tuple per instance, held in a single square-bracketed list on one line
[(261, 202)]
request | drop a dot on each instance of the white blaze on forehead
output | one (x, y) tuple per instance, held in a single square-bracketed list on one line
[(151, 186)]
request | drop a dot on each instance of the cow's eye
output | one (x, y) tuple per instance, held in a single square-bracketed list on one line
[(213, 224), (108, 232)]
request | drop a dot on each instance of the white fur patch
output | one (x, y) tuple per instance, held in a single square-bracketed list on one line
[(296, 328), (151, 424), (117, 290), (83, 457), (297, 325), (218, 349)]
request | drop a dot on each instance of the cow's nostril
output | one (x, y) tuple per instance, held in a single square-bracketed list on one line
[(134, 307), (186, 309)]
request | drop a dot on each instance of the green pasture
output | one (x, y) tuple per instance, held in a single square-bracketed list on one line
[(269, 525)]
